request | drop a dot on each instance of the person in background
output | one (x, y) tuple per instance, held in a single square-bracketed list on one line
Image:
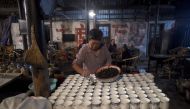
[(126, 52), (83, 43), (112, 46), (92, 55)]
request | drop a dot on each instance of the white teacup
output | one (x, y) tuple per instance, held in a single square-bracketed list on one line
[(79, 97), (115, 103), (52, 97), (160, 95), (130, 92), (88, 94), (59, 102), (105, 98), (152, 95), (157, 90), (89, 90), (113, 92), (122, 92), (77, 104), (80, 93), (142, 95), (164, 104), (124, 97), (135, 103), (146, 88), (52, 101), (151, 84), (105, 93), (72, 94), (140, 92), (133, 95), (154, 104), (86, 104), (144, 104), (69, 98), (105, 104), (149, 91), (124, 103), (68, 104), (88, 98), (105, 90), (114, 96)]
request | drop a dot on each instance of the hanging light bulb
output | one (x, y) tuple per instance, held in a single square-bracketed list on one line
[(91, 13)]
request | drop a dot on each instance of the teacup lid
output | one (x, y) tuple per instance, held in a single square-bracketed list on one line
[(142, 95), (52, 97), (161, 94), (87, 103), (52, 101), (59, 102), (77, 102), (106, 101), (144, 100), (115, 100), (135, 100), (68, 103), (154, 100), (96, 101), (133, 95), (164, 99), (125, 101)]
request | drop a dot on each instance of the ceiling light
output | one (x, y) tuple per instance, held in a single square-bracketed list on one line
[(91, 13)]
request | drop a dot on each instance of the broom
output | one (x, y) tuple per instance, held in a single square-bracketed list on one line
[(33, 55)]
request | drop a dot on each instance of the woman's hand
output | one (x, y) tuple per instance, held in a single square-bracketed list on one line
[(85, 73)]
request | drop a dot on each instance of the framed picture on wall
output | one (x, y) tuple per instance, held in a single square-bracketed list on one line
[(105, 28), (22, 26)]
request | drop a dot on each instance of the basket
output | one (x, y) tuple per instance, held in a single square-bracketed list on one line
[(103, 77)]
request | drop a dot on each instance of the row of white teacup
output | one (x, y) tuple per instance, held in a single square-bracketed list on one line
[(120, 82), (112, 94), (105, 89), (122, 103), (99, 86), (130, 78)]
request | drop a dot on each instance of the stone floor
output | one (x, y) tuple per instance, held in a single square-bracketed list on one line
[(177, 101)]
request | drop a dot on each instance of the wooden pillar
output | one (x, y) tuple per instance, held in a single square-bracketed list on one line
[(40, 72)]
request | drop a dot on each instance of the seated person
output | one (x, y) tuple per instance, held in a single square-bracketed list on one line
[(126, 52), (112, 46), (92, 55)]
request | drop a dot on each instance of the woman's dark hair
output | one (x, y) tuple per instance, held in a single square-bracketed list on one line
[(95, 34), (125, 46)]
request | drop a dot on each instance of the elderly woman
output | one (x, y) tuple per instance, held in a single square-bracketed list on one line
[(92, 55)]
